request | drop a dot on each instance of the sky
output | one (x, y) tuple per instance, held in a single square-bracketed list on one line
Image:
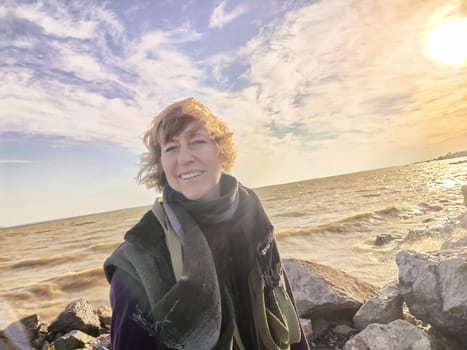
[(309, 88)]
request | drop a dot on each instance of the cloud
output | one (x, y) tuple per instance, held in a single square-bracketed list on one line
[(355, 75), (326, 80), (219, 17), (59, 24), (15, 161), (85, 89)]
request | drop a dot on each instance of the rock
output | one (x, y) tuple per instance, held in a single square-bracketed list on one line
[(39, 341), (384, 238), (24, 331), (343, 329), (384, 307), (73, 340), (326, 296), (458, 237), (434, 286), (307, 327), (455, 243), (397, 335), (78, 315), (103, 344), (45, 346), (6, 345), (330, 340), (104, 313), (441, 342)]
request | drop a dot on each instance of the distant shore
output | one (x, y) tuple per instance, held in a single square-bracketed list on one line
[(451, 155)]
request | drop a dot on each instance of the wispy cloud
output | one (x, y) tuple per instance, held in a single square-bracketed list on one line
[(220, 17), (85, 89), (326, 80), (59, 24), (16, 161)]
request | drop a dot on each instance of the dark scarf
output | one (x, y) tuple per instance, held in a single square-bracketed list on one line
[(208, 212), (190, 316)]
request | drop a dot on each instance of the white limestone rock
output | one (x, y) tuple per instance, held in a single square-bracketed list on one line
[(434, 287), (384, 307), (396, 335), (326, 296), (74, 340)]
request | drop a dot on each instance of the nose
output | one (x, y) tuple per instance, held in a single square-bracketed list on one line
[(185, 154)]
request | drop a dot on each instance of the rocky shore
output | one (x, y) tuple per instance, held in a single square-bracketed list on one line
[(424, 309)]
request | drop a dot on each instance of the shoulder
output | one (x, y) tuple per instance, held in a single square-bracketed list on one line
[(248, 196), (144, 245), (146, 232)]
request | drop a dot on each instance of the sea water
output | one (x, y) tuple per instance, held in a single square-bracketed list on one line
[(333, 221)]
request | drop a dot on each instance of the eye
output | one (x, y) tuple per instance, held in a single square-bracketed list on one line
[(170, 148), (199, 141)]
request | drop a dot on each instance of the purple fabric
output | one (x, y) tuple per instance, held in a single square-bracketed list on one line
[(127, 334)]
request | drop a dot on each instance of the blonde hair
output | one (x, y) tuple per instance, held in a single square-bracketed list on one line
[(169, 123)]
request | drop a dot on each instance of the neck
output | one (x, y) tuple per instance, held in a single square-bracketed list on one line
[(214, 209)]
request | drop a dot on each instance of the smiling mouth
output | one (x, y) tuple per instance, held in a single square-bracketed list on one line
[(190, 175)]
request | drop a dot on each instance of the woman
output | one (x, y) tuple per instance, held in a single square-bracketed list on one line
[(201, 269)]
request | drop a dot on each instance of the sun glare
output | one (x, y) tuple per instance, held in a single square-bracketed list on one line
[(448, 42)]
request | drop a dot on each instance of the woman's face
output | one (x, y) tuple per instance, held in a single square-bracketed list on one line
[(190, 161)]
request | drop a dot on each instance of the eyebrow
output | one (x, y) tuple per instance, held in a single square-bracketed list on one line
[(192, 131)]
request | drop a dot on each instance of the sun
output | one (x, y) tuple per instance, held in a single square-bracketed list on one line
[(448, 42)]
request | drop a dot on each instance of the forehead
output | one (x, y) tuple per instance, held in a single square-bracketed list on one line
[(181, 127)]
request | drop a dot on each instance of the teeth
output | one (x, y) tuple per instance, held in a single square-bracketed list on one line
[(190, 175)]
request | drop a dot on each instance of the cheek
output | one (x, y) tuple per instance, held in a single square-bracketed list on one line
[(221, 161), (165, 165), (217, 160)]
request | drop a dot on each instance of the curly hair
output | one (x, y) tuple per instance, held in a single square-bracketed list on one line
[(169, 123)]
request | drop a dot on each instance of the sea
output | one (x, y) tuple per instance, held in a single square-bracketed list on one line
[(332, 221)]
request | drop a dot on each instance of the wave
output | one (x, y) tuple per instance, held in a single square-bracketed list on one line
[(106, 246), (428, 207), (292, 214), (438, 231), (371, 195), (296, 231), (389, 212), (42, 261), (359, 221), (83, 223), (57, 286), (78, 280)]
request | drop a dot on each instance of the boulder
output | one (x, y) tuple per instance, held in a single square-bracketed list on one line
[(396, 335), (442, 342), (384, 307), (104, 313), (434, 287), (384, 238), (343, 329), (22, 332), (103, 343), (458, 237), (326, 296), (5, 344), (457, 240), (73, 340), (78, 315), (307, 327)]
